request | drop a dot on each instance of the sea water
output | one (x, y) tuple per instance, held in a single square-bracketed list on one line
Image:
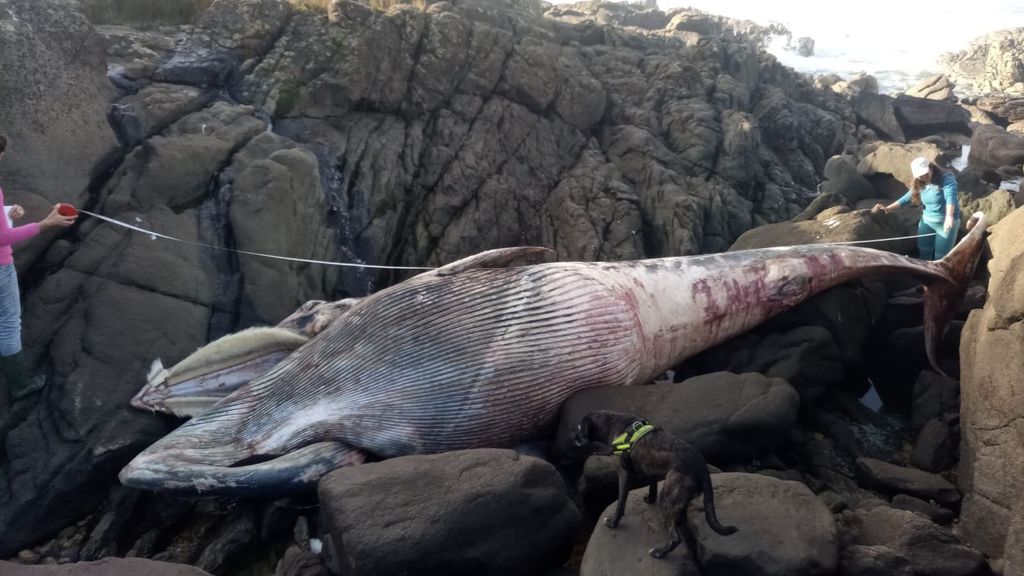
[(897, 42)]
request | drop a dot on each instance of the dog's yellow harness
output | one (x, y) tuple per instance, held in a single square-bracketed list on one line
[(623, 442)]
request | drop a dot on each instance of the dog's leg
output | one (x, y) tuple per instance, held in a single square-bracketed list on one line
[(652, 493), (682, 529), (675, 495), (620, 507)]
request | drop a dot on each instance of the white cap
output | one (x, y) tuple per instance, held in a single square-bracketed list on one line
[(919, 167)]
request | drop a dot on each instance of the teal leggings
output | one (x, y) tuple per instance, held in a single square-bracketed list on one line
[(935, 247)]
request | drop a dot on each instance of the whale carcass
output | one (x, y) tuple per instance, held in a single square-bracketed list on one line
[(483, 352)]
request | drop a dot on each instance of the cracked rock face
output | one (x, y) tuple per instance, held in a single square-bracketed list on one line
[(992, 442), (55, 96)]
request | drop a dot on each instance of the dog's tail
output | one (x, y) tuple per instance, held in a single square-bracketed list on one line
[(709, 505)]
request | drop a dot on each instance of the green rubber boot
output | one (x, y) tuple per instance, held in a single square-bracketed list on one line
[(19, 384)]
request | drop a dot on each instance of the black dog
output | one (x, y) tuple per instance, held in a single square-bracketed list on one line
[(647, 455)]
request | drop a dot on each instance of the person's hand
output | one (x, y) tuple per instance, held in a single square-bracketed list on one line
[(16, 212), (878, 208), (54, 219), (948, 225)]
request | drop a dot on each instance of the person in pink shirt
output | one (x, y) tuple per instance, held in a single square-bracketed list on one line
[(12, 365)]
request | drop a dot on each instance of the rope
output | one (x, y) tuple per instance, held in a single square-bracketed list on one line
[(884, 239), (155, 235)]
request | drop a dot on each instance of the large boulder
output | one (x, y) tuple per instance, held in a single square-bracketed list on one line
[(1007, 109), (783, 529), (922, 117), (272, 175), (152, 109), (991, 384), (894, 160), (993, 147), (626, 548), (892, 479), (930, 549), (842, 177), (877, 111), (726, 416), (838, 224), (937, 87), (465, 512), (53, 109)]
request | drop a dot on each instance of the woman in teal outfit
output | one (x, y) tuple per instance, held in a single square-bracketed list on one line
[(935, 189)]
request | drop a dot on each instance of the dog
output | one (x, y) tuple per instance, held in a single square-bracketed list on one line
[(646, 455)]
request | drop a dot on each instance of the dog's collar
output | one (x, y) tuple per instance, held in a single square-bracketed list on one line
[(625, 441)]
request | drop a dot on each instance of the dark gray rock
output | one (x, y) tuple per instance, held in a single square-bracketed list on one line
[(783, 529), (993, 147), (937, 514), (726, 416), (935, 396), (805, 46), (154, 108), (891, 479), (842, 177), (626, 549), (297, 562), (465, 512), (878, 112), (235, 539), (935, 447), (931, 549), (53, 110), (921, 117), (105, 567), (874, 561), (228, 33)]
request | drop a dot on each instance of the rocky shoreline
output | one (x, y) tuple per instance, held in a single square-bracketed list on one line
[(413, 136)]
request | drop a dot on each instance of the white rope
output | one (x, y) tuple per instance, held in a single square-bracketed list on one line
[(883, 239), (155, 235)]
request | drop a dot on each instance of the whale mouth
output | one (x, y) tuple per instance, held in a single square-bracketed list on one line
[(211, 373), (214, 371)]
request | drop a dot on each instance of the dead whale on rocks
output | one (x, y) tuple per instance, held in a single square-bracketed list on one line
[(483, 351)]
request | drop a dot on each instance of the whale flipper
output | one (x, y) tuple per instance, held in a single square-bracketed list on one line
[(296, 471)]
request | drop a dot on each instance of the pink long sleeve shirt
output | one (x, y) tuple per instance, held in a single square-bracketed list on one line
[(10, 235)]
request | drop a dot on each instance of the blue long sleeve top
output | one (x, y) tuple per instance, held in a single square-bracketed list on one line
[(934, 199)]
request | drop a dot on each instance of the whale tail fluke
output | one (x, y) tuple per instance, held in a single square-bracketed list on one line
[(942, 298)]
